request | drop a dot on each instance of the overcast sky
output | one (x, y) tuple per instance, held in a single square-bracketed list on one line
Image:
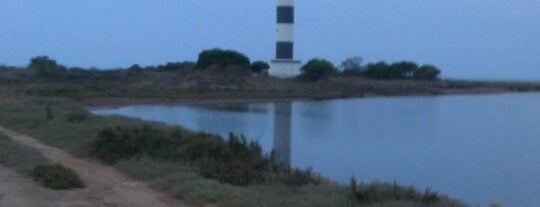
[(493, 39)]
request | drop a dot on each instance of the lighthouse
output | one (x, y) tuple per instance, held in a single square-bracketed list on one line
[(284, 64)]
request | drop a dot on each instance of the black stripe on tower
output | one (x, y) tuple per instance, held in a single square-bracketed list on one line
[(285, 14), (284, 50)]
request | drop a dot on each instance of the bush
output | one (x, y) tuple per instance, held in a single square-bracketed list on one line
[(57, 177), (239, 163), (222, 58), (317, 69), (296, 177), (426, 72), (352, 63), (398, 70), (401, 70), (380, 70), (260, 67), (77, 116), (176, 66), (46, 67), (382, 192), (352, 66), (114, 145), (235, 160)]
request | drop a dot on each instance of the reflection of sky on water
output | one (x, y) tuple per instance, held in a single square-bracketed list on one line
[(479, 148)]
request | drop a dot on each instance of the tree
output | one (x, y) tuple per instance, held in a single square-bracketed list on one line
[(426, 72), (379, 70), (403, 69), (259, 67), (46, 67), (352, 66), (222, 58), (135, 68), (176, 66), (317, 69)]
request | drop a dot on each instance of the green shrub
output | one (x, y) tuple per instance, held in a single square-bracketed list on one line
[(259, 67), (222, 59), (379, 70), (317, 69), (176, 66), (113, 145), (430, 197), (402, 70), (77, 116), (296, 177), (382, 192), (57, 177), (47, 68), (426, 72), (200, 146), (239, 163), (235, 160)]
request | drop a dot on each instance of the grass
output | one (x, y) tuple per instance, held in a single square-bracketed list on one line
[(30, 116), (185, 183), (21, 158), (233, 160), (30, 162), (207, 85), (78, 136), (382, 192), (182, 182)]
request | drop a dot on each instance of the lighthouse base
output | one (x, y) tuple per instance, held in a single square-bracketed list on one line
[(285, 68)]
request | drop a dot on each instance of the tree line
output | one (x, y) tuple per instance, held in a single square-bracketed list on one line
[(216, 60), (318, 69)]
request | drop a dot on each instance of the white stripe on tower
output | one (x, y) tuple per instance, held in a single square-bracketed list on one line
[(285, 30)]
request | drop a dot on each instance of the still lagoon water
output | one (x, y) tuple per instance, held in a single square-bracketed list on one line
[(479, 148)]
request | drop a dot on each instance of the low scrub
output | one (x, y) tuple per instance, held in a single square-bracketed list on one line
[(185, 183), (235, 160), (19, 157), (173, 160), (382, 192), (57, 177), (77, 116)]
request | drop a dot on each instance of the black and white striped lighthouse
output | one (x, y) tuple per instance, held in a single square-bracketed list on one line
[(285, 30), (284, 63)]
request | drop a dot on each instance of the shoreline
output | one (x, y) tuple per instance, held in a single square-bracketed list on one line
[(92, 102), (153, 89), (80, 132)]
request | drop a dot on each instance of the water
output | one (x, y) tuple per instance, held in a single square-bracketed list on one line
[(479, 148)]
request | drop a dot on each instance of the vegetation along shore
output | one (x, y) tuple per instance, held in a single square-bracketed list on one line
[(225, 75), (46, 100), (195, 167)]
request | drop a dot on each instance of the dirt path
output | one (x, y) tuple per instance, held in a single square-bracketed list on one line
[(16, 190), (104, 183)]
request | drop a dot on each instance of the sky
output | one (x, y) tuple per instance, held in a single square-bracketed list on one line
[(469, 39)]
